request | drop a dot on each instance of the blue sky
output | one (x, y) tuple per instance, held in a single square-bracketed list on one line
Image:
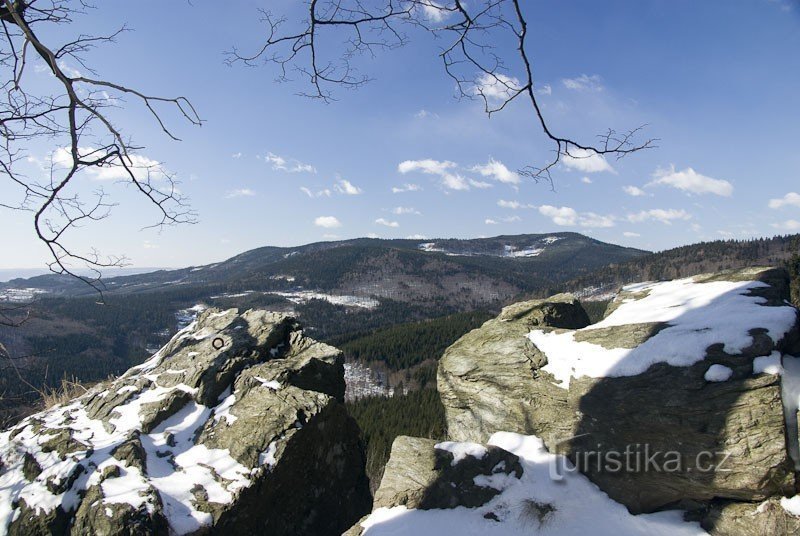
[(717, 82)]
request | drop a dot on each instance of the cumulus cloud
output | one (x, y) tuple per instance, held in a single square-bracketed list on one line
[(481, 185), (328, 222), (567, 217), (513, 205), (346, 187), (497, 171), (428, 165), (241, 192), (387, 223), (631, 234), (586, 180), (443, 169), (490, 221), (404, 210), (497, 87), (416, 237), (236, 155), (691, 181), (634, 191), (583, 83), (586, 161), (545, 90), (406, 188), (666, 216), (142, 167), (790, 199), (289, 165)]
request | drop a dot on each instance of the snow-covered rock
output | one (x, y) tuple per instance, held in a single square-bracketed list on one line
[(510, 490), (681, 370), (236, 425)]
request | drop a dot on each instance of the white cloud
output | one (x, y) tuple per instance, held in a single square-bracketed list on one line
[(406, 188), (659, 214), (507, 219), (790, 199), (583, 83), (586, 161), (497, 171), (545, 90), (559, 215), (346, 187), (240, 192), (497, 87), (330, 236), (788, 225), (689, 180), (425, 114), (289, 165), (513, 205), (481, 185), (567, 216), (149, 245), (586, 180), (236, 155), (387, 223), (142, 167), (434, 11), (429, 166), (404, 210), (319, 193), (450, 179), (416, 237), (634, 191), (631, 234), (328, 222)]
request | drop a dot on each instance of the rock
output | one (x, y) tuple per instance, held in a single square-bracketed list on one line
[(748, 519), (237, 425), (635, 383), (419, 475)]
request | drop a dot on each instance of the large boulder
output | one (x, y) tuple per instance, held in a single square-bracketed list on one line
[(236, 425), (506, 487), (661, 403)]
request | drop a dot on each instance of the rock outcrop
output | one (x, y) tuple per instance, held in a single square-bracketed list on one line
[(236, 425), (672, 384)]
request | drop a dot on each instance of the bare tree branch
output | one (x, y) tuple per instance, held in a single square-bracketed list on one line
[(321, 50), (72, 116)]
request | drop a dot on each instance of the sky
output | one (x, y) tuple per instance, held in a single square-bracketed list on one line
[(715, 81)]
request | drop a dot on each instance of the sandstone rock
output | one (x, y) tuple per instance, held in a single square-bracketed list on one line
[(419, 475), (638, 379), (748, 519), (236, 425)]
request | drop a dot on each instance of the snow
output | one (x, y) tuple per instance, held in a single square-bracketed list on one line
[(768, 364), (303, 296), (792, 505), (20, 295), (508, 250), (718, 373), (698, 315), (176, 467), (580, 507), (461, 450), (268, 456)]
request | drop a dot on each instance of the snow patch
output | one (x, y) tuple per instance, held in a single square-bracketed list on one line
[(718, 373)]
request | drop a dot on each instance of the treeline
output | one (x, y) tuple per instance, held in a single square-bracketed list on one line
[(406, 345), (689, 260), (418, 414)]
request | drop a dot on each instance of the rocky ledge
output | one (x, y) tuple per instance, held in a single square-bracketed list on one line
[(236, 425)]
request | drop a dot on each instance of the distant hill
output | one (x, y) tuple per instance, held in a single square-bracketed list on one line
[(457, 273)]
